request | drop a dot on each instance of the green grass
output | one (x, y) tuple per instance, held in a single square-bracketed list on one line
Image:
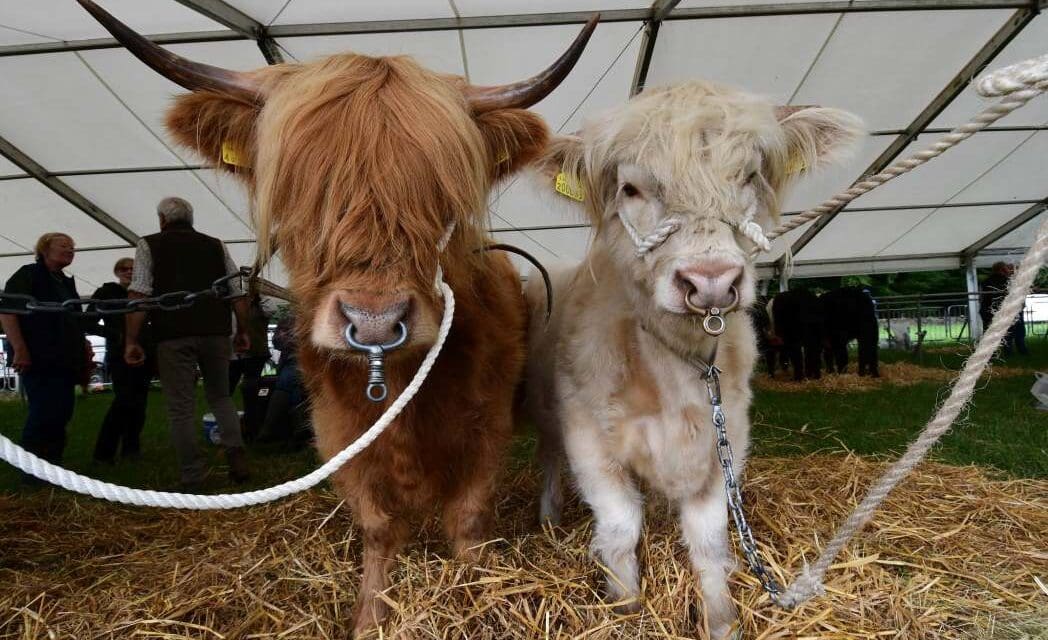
[(1001, 428), (1002, 431), (157, 468)]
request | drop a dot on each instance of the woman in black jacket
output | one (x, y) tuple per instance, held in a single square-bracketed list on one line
[(50, 350), (122, 426)]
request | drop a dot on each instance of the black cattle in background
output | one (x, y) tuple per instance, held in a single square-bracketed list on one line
[(798, 320), (850, 315), (768, 344)]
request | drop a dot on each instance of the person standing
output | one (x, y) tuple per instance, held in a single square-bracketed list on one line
[(249, 365), (996, 288), (50, 350), (179, 258), (122, 426)]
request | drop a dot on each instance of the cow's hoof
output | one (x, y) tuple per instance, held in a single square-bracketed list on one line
[(549, 514), (730, 633), (629, 607)]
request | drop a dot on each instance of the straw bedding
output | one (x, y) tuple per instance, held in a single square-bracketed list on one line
[(897, 373), (956, 553)]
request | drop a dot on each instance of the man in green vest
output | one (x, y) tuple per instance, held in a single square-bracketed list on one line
[(179, 258)]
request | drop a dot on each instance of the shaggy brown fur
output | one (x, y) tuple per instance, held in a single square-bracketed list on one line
[(358, 165)]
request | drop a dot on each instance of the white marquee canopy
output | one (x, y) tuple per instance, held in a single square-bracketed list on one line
[(83, 149)]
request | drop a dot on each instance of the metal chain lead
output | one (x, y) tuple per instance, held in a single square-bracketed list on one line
[(731, 488), (173, 301)]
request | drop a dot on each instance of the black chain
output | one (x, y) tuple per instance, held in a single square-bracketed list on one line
[(731, 487), (22, 304)]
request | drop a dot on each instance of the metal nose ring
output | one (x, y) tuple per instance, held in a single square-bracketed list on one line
[(376, 390), (713, 322)]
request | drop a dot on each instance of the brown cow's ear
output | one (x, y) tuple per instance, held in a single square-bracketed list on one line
[(220, 129), (818, 136), (562, 155), (515, 138)]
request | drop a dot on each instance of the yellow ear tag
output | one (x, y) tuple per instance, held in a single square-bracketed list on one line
[(502, 157), (795, 165), (230, 155), (569, 187)]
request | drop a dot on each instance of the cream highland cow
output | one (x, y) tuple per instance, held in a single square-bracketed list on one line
[(677, 183)]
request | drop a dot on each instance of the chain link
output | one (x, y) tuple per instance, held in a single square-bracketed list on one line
[(22, 304), (731, 488)]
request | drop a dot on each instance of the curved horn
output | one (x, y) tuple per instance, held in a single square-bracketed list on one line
[(523, 94), (194, 76)]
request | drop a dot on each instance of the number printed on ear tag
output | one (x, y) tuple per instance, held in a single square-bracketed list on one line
[(569, 187)]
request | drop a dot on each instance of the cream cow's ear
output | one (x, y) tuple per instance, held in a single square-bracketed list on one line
[(817, 136), (563, 154)]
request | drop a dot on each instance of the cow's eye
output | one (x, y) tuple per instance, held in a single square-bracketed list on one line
[(630, 191)]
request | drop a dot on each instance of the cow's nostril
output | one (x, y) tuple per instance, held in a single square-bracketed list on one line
[(708, 284), (374, 321)]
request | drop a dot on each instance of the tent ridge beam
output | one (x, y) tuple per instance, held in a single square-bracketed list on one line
[(944, 205), (1011, 225), (187, 37), (940, 130), (239, 22), (226, 15), (953, 88), (66, 192), (872, 259), (841, 6), (660, 9), (522, 20)]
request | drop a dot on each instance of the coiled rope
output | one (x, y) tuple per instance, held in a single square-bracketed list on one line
[(1019, 83), (54, 474)]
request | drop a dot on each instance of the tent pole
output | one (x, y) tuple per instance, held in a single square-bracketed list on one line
[(971, 278)]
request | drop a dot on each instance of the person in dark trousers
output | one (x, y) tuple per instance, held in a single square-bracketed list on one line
[(50, 350), (179, 258), (287, 416), (249, 365), (996, 288), (122, 425)]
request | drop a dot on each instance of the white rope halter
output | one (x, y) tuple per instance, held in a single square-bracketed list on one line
[(648, 242), (747, 226), (1016, 84), (33, 465), (441, 245), (1019, 83)]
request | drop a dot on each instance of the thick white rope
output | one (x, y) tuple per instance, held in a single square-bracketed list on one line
[(44, 470), (747, 226), (659, 235), (1021, 83), (809, 583)]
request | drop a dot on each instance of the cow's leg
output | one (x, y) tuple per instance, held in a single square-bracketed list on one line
[(840, 353), (618, 512), (468, 512), (827, 357), (704, 523), (796, 354), (813, 359), (868, 350), (551, 459), (384, 536)]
